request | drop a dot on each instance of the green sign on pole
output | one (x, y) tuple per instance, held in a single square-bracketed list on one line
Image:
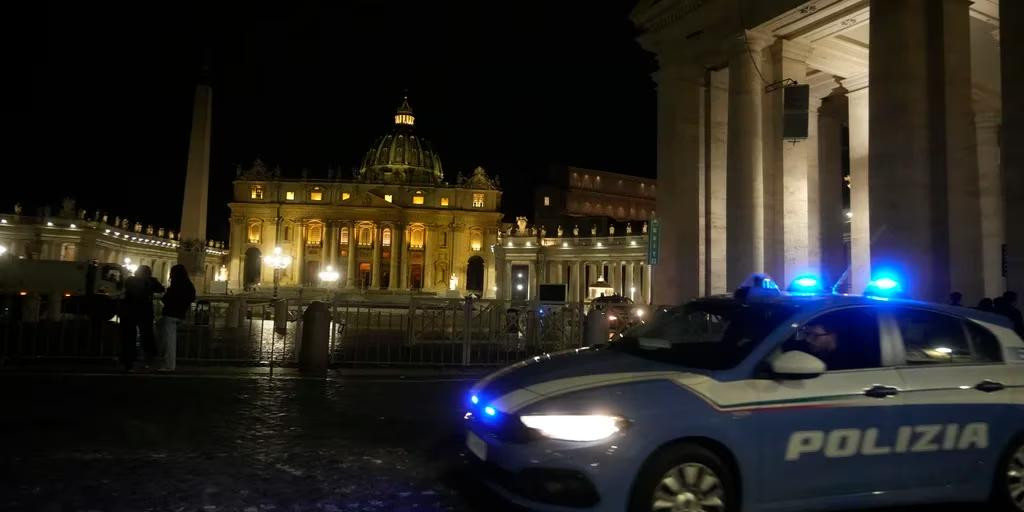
[(653, 241)]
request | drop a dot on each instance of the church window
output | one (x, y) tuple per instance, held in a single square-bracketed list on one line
[(418, 197), (254, 232), (388, 197), (256, 192), (365, 236), (547, 200), (344, 236), (478, 200), (290, 195), (385, 238), (345, 196), (416, 237), (317, 194), (476, 239), (444, 201), (316, 234)]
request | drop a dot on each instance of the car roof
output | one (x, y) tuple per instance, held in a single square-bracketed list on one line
[(824, 301)]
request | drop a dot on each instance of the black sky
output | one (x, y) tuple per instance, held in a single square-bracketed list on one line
[(509, 86)]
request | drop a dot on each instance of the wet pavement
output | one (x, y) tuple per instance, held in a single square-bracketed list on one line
[(237, 441), (187, 443)]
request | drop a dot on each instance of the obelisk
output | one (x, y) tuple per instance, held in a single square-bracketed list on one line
[(192, 248)]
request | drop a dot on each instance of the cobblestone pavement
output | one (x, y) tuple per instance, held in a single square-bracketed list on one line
[(140, 442), (239, 443)]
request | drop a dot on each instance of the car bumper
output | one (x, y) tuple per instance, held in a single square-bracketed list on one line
[(550, 475)]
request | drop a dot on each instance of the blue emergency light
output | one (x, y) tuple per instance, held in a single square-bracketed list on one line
[(884, 286), (490, 411), (474, 399), (806, 285)]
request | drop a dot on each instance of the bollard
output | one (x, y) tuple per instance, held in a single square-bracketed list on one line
[(53, 306), (595, 331), (30, 305), (231, 318), (316, 334), (281, 316)]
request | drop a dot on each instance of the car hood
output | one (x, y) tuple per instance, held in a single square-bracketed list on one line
[(515, 386)]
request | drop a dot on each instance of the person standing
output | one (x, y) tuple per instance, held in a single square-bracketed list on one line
[(180, 295), (1008, 308), (137, 315), (955, 299)]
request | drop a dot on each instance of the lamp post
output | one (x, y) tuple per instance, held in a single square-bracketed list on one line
[(277, 261), (328, 277)]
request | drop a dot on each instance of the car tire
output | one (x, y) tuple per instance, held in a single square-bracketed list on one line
[(687, 473), (1008, 485)]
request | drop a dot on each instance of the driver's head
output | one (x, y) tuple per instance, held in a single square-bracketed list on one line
[(820, 338)]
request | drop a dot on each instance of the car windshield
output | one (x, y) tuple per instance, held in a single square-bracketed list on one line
[(708, 335)]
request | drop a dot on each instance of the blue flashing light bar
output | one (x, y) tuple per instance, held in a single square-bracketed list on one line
[(474, 399), (806, 285), (490, 411), (884, 286)]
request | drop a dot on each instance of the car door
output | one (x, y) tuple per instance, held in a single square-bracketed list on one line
[(830, 435), (958, 392)]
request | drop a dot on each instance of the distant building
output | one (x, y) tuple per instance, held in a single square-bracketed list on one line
[(70, 236), (589, 233), (397, 225)]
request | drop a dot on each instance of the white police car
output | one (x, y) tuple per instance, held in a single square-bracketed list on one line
[(764, 401)]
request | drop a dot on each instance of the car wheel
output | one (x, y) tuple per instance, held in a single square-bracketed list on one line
[(685, 478), (1008, 490)]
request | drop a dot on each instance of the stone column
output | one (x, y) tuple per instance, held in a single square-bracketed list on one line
[(428, 265), (574, 282), (627, 289), (680, 166), (716, 122), (406, 260), (785, 171), (1011, 47), (531, 282), (375, 265), (963, 218), (813, 188), (745, 181), (396, 243), (834, 110), (991, 194), (507, 285), (646, 269), (860, 227), (329, 241), (350, 271), (300, 254)]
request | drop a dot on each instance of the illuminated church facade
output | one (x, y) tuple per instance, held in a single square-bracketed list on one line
[(396, 226)]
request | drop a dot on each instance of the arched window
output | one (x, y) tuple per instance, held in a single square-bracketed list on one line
[(365, 236), (256, 192), (255, 229), (315, 235), (385, 238), (476, 239), (416, 235), (344, 235)]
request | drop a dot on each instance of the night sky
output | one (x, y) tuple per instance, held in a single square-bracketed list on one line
[(510, 86)]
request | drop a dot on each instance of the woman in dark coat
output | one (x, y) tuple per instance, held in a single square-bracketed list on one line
[(137, 315), (177, 300)]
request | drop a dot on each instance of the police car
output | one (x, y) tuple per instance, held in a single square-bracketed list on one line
[(764, 401)]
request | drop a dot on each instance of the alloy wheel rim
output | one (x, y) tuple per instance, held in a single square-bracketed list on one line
[(689, 487), (1015, 478)]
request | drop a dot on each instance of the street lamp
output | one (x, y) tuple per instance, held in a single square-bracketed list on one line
[(329, 276), (278, 261), (3, 250)]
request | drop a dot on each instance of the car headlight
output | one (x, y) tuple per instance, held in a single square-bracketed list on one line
[(575, 427)]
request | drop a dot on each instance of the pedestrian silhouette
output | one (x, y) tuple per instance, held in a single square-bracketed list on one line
[(1009, 309), (177, 300), (955, 298), (985, 304), (137, 315)]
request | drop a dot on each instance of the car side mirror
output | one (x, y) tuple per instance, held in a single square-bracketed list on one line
[(796, 364)]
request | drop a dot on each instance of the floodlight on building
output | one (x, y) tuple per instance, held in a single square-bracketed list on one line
[(49, 224)]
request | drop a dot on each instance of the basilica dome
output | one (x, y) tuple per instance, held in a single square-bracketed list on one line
[(401, 156)]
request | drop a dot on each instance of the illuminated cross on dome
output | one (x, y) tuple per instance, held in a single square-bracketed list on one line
[(404, 115)]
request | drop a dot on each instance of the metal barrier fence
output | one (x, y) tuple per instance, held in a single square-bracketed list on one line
[(244, 330)]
